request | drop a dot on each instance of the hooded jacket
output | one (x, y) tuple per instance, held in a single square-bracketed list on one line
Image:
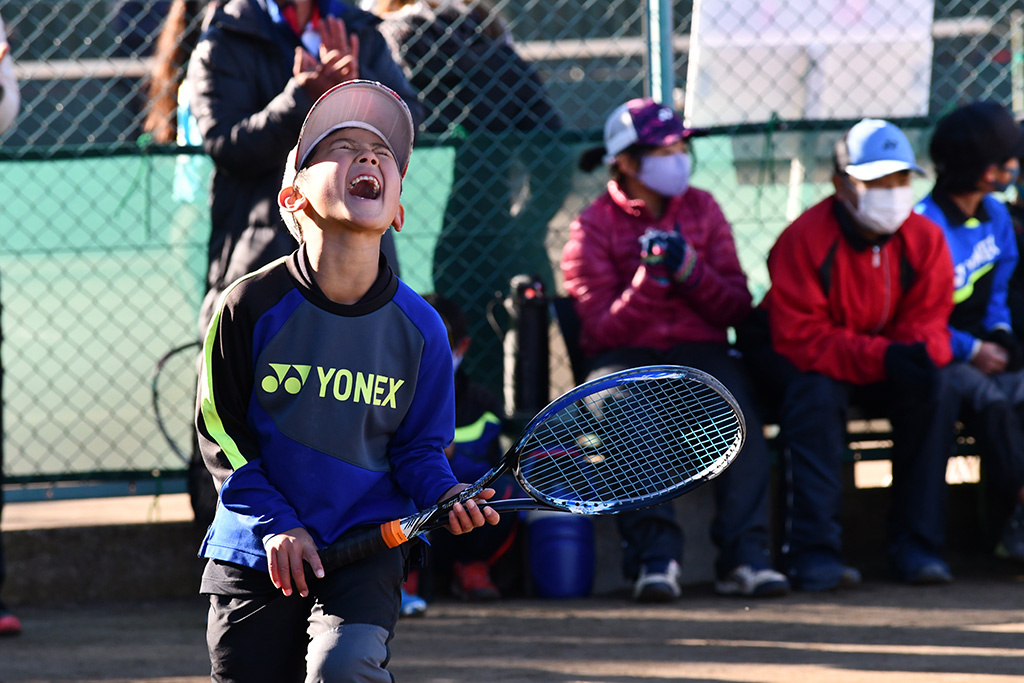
[(620, 305)]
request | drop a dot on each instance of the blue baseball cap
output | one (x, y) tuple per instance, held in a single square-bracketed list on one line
[(874, 148)]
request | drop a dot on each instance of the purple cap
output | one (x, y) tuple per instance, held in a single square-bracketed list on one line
[(643, 122)]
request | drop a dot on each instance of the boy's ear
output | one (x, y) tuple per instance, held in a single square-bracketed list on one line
[(291, 200), (399, 219)]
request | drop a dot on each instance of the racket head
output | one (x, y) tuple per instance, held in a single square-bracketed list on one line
[(629, 440)]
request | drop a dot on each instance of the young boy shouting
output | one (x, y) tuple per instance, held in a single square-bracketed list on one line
[(325, 403)]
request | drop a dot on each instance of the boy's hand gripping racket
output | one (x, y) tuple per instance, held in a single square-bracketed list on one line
[(629, 440)]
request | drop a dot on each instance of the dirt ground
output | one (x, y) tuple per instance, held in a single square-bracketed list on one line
[(969, 631)]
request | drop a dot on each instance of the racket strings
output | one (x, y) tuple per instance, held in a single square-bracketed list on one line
[(622, 445)]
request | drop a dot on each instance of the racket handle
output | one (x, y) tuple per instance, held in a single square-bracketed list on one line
[(360, 544), (516, 505)]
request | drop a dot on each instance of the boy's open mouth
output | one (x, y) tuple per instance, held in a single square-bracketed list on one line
[(365, 187)]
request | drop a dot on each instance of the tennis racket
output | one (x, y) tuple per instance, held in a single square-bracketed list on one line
[(174, 387), (628, 440)]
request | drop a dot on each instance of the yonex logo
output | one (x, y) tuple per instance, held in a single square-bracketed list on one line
[(338, 383), (279, 378)]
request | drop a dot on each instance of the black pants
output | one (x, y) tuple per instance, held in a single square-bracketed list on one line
[(341, 631), (813, 417)]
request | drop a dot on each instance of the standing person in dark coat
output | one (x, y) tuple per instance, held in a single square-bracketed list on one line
[(511, 172), (258, 68)]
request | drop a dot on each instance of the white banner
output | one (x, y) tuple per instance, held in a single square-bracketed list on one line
[(808, 59)]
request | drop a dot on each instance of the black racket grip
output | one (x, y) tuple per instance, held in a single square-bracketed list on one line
[(352, 547)]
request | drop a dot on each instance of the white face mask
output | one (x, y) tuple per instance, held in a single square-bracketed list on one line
[(883, 210), (668, 175)]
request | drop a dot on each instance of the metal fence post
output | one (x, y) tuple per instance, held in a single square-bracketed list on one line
[(660, 65)]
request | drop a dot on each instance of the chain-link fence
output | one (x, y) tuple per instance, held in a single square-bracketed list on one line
[(105, 219)]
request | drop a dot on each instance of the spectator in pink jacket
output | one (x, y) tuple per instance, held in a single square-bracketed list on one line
[(652, 268)]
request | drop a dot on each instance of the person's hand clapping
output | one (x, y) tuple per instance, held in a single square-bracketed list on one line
[(339, 53), (338, 63)]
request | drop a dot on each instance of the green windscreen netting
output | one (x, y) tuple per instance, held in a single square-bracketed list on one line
[(102, 256)]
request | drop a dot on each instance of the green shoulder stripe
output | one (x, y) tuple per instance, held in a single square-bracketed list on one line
[(211, 417)]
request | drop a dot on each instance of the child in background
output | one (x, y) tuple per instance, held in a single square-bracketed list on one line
[(476, 449)]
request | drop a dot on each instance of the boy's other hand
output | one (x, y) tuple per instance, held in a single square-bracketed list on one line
[(465, 517), (285, 554)]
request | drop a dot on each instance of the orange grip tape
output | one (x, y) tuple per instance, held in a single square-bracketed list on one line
[(392, 533)]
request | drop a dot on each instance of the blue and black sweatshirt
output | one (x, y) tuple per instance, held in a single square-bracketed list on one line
[(984, 251), (317, 414)]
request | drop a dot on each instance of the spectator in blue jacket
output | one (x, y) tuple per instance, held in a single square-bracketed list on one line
[(976, 150)]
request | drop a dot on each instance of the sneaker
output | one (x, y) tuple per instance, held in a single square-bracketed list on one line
[(918, 566), (10, 625), (816, 571), (1011, 543), (745, 580), (412, 605), (658, 582), (472, 581)]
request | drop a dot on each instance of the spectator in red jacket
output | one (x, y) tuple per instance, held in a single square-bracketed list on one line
[(652, 267), (858, 310)]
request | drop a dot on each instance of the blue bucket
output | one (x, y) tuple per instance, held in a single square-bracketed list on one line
[(562, 556)]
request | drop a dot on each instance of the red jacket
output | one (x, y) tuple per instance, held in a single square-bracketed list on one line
[(619, 305), (834, 309)]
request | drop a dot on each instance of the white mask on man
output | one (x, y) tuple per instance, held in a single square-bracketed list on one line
[(882, 210)]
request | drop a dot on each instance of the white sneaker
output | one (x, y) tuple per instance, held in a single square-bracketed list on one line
[(746, 581), (658, 582)]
